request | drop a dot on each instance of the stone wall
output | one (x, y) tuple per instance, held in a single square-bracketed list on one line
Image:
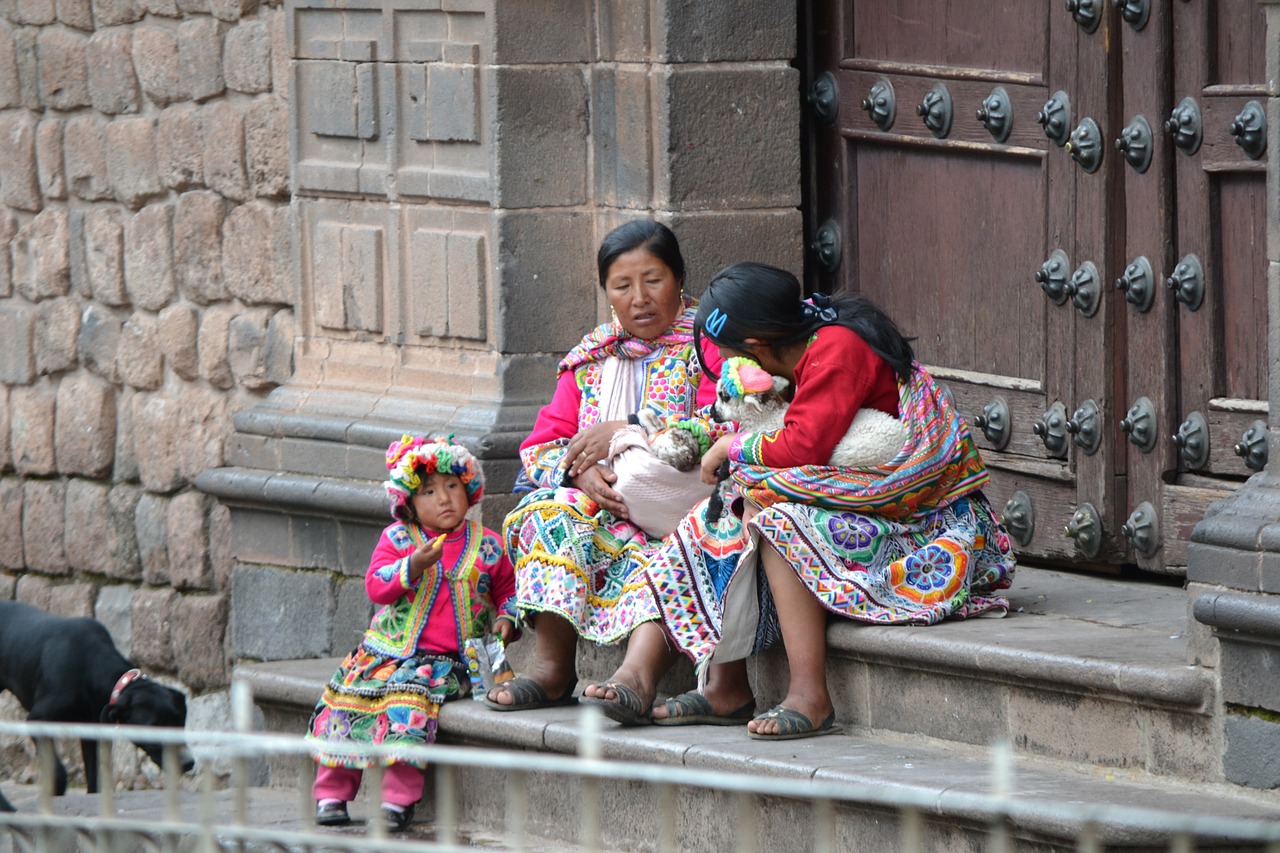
[(145, 298), (250, 243), (456, 164)]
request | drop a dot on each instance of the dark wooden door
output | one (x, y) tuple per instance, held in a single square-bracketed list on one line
[(946, 218)]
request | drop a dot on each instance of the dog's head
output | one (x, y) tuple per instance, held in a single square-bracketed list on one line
[(746, 393), (139, 701)]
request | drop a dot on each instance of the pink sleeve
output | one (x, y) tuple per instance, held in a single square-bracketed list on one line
[(542, 452), (559, 418), (388, 576)]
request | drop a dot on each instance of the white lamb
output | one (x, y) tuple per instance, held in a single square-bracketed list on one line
[(751, 397)]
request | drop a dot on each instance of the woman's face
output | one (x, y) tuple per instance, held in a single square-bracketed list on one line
[(644, 293)]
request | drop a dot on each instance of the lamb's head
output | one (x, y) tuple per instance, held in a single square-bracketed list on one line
[(749, 395)]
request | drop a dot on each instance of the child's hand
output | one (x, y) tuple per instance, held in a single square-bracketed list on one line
[(504, 629), (718, 453), (425, 556)]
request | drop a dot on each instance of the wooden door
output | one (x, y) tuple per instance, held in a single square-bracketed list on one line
[(1219, 68), (947, 224)]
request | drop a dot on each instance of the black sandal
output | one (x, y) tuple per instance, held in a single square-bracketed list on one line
[(694, 709), (527, 695), (626, 709)]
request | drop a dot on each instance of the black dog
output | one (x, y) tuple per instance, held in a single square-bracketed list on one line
[(68, 670)]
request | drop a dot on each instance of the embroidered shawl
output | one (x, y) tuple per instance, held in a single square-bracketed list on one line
[(939, 463)]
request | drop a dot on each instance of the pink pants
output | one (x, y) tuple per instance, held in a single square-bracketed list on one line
[(401, 784)]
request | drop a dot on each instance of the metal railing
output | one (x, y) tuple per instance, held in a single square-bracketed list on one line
[(207, 820)]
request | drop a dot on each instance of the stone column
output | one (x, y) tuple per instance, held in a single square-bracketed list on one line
[(1233, 567), (454, 165)]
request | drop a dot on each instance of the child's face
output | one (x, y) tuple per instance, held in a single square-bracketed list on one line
[(441, 502)]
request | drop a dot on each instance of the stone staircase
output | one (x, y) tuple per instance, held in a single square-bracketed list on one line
[(1087, 679)]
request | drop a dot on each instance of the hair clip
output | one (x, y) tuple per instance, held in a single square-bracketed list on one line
[(715, 322), (819, 307)]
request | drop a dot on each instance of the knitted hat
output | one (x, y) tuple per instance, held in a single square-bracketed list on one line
[(413, 458), (742, 376)]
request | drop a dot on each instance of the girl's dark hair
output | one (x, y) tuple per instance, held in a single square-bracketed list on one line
[(654, 237), (759, 301)]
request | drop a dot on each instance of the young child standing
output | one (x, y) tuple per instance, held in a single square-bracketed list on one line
[(441, 580)]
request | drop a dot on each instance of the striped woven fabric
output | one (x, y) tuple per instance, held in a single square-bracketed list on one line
[(938, 464)]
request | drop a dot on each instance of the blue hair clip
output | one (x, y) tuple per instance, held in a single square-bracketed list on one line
[(715, 322)]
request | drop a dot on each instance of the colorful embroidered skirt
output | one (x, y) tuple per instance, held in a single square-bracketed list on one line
[(946, 563), (375, 699), (580, 562)]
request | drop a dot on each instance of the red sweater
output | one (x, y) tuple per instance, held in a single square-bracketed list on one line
[(837, 375)]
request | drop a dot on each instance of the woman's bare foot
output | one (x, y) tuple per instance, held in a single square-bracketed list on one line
[(556, 681), (816, 710), (644, 687), (724, 700), (727, 689)]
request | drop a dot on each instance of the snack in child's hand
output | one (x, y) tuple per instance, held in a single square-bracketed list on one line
[(438, 540), (486, 664), (498, 663)]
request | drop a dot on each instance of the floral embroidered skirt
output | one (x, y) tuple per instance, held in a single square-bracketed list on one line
[(580, 562), (945, 563), (376, 699)]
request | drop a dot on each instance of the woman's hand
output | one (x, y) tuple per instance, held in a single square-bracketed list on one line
[(590, 446), (425, 556), (713, 457), (504, 629), (597, 481)]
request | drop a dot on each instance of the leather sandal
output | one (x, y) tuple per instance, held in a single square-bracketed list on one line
[(694, 709), (792, 725), (527, 695), (626, 709)]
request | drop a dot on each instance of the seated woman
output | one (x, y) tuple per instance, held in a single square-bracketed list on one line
[(912, 541), (578, 557)]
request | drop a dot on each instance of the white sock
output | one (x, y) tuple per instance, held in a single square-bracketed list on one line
[(393, 807), (330, 801)]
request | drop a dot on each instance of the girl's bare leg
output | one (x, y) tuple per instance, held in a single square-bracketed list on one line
[(555, 645), (804, 632)]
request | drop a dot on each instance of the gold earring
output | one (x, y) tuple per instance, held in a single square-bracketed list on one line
[(614, 312)]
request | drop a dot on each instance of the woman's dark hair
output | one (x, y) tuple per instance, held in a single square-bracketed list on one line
[(654, 237), (759, 301)]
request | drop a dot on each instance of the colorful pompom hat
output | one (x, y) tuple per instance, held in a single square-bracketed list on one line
[(414, 457), (742, 376)]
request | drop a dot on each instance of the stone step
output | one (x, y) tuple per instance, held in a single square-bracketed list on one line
[(951, 784), (1087, 669)]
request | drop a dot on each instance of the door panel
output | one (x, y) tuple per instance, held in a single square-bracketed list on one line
[(1244, 299), (947, 229), (1220, 197), (1150, 317), (971, 34), (977, 255)]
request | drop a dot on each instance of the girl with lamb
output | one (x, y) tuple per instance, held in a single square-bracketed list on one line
[(909, 541)]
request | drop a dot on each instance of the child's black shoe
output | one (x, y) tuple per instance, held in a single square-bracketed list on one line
[(332, 814), (397, 821)]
